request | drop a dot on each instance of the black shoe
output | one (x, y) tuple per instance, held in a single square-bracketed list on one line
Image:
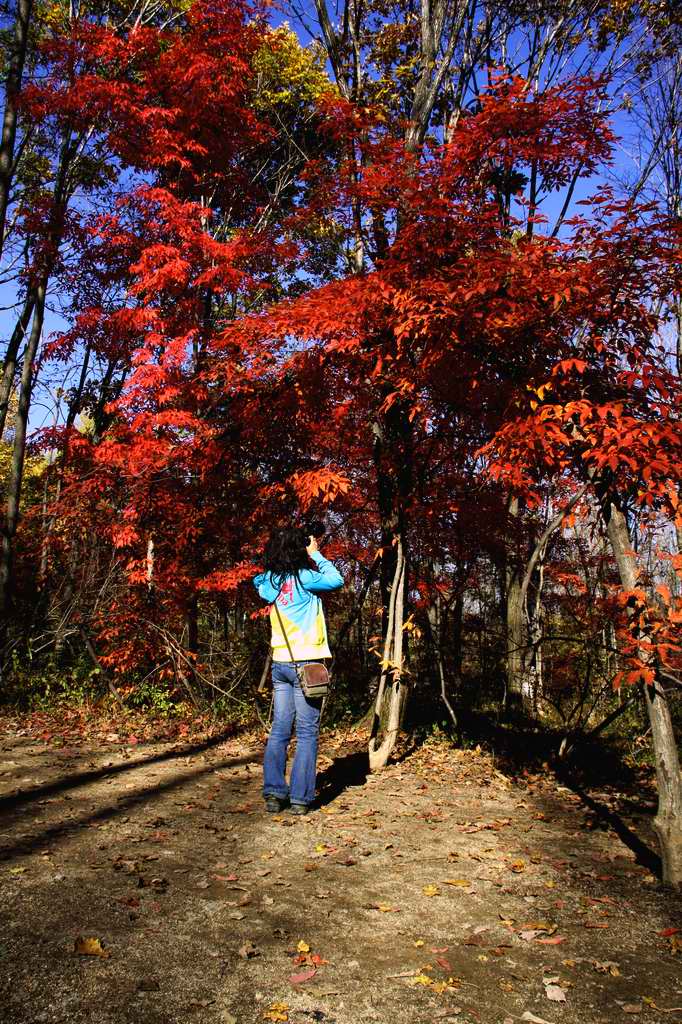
[(273, 804), (299, 809)]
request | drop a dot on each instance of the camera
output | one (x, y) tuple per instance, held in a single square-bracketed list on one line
[(314, 528)]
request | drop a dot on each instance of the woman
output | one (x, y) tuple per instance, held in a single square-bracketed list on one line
[(291, 582)]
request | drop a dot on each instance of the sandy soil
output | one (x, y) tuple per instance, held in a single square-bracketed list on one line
[(438, 889)]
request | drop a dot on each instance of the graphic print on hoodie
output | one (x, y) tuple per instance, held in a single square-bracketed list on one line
[(300, 609)]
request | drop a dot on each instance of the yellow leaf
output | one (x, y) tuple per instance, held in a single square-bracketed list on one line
[(421, 979), (451, 985), (16, 871), (385, 908), (419, 943), (463, 882), (277, 1012), (431, 890), (518, 866), (90, 947), (303, 947), (320, 848)]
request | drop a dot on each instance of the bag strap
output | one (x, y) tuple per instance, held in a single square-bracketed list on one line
[(281, 626)]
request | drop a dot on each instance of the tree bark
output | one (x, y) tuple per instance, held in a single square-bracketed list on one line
[(435, 625), (19, 451), (9, 368), (668, 820), (9, 125), (514, 616), (392, 691)]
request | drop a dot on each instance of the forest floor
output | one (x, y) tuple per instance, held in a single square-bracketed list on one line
[(143, 882)]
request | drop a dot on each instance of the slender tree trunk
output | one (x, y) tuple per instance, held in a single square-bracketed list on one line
[(111, 686), (9, 123), (10, 361), (192, 622), (514, 611), (457, 630), (392, 691), (19, 452), (668, 820), (435, 624)]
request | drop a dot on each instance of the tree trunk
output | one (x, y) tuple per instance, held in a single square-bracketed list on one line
[(435, 626), (392, 691), (19, 452), (9, 123), (514, 614), (10, 361), (457, 630), (668, 820)]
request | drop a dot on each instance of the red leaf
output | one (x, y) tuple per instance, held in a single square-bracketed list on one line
[(298, 979)]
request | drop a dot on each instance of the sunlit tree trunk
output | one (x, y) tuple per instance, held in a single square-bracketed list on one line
[(19, 451), (668, 820), (9, 368), (392, 691), (514, 613)]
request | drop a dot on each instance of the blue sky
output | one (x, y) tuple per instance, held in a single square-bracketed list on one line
[(43, 407)]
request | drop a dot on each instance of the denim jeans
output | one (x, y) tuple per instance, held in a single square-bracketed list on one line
[(290, 705)]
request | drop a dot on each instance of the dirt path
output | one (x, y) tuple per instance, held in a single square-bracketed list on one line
[(438, 889)]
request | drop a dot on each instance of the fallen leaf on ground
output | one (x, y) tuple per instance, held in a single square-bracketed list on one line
[(632, 1008), (248, 951), (90, 947), (298, 979), (431, 890), (527, 1015), (606, 967), (277, 1012), (303, 947)]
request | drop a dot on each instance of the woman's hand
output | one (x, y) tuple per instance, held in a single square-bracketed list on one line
[(312, 547)]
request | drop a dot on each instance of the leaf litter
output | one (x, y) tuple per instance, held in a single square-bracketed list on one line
[(414, 853)]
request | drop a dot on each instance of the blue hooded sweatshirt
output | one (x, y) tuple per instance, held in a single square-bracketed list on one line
[(300, 609)]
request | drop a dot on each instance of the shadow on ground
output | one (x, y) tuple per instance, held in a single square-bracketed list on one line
[(350, 770)]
